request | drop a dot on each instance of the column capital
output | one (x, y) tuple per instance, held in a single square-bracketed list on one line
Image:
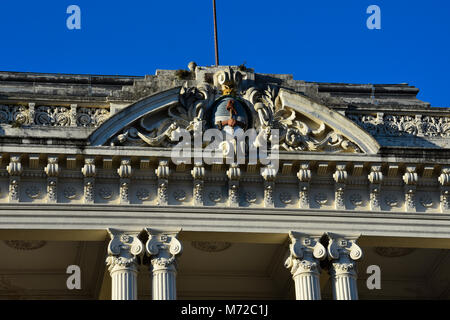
[(304, 251), (123, 249), (343, 253), (163, 247)]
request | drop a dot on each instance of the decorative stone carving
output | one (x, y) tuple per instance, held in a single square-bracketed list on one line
[(52, 171), (444, 182), (124, 172), (70, 193), (305, 252), (340, 178), (92, 117), (321, 198), (375, 178), (215, 196), (356, 199), (250, 197), (426, 201), (123, 250), (403, 125), (285, 197), (304, 176), (143, 194), (15, 170), (343, 252), (233, 174), (105, 193), (391, 200), (198, 173), (179, 195), (410, 178), (33, 192), (211, 246), (89, 172), (52, 116), (163, 247), (269, 174), (162, 172), (25, 244)]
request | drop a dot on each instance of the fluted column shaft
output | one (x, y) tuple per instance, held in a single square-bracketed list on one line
[(163, 247), (305, 253), (124, 284), (123, 250), (343, 253)]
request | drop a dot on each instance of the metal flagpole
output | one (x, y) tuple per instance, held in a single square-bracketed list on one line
[(216, 43)]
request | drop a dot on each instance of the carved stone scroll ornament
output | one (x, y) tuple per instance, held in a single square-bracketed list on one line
[(89, 171), (340, 178), (304, 176), (188, 114), (269, 174), (198, 174), (410, 178), (162, 172), (375, 178), (293, 134), (234, 174), (124, 172)]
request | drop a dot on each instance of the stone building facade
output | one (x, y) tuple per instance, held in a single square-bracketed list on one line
[(354, 176)]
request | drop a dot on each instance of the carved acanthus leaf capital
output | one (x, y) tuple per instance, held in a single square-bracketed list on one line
[(304, 252), (163, 248), (343, 247), (123, 249)]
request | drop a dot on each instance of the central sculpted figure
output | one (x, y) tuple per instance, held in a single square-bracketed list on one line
[(231, 118)]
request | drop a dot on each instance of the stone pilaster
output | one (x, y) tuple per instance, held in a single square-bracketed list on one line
[(15, 170), (269, 173), (305, 251), (233, 174), (304, 176), (410, 178), (124, 171), (163, 172), (444, 182), (52, 171), (123, 250), (89, 171), (375, 178), (163, 247), (340, 178), (198, 173), (343, 252)]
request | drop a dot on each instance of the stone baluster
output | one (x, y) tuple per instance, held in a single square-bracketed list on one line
[(163, 248), (15, 170), (52, 171), (375, 178), (123, 251), (305, 252), (233, 174), (89, 171), (198, 173), (269, 173), (124, 171), (410, 178), (444, 182), (343, 253), (304, 176), (340, 178), (163, 172)]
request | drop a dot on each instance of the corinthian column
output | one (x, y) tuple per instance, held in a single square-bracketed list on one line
[(123, 250), (343, 253), (303, 261), (163, 247)]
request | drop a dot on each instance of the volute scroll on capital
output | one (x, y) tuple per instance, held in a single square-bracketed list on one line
[(342, 246)]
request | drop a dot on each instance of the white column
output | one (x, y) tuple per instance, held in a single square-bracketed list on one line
[(343, 253), (123, 250), (305, 252), (163, 247)]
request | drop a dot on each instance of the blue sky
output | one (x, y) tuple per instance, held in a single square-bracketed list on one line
[(325, 41)]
